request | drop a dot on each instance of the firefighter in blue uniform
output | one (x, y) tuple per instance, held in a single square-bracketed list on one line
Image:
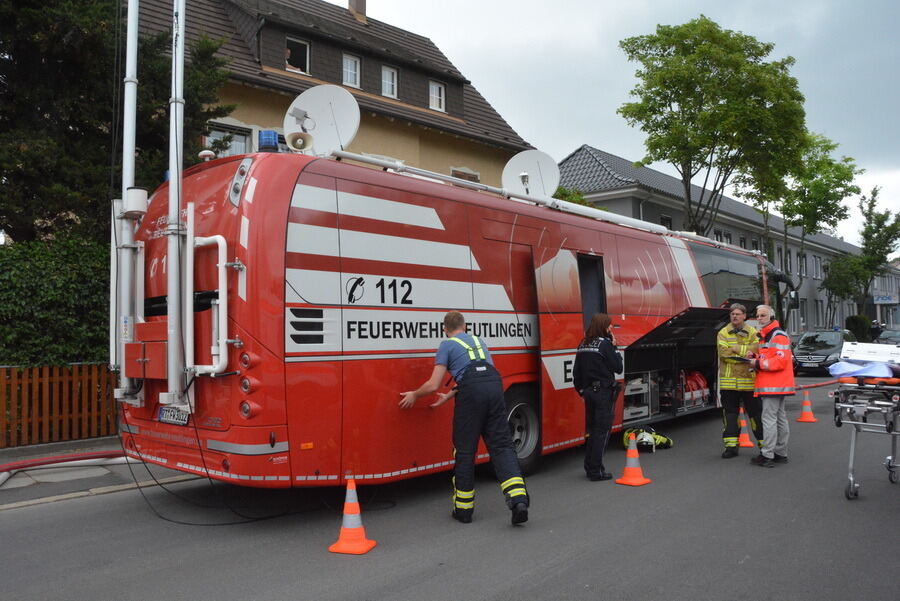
[(480, 411)]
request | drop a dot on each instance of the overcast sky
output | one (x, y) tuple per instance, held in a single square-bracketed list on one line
[(555, 72)]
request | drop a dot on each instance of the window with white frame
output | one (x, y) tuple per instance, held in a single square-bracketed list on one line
[(351, 70), (780, 253), (296, 55), (790, 263), (728, 237), (754, 244), (240, 139), (742, 242), (437, 96), (801, 259), (388, 81), (666, 221), (817, 267), (717, 234)]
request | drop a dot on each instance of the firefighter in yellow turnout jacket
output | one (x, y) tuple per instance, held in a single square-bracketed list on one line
[(734, 343)]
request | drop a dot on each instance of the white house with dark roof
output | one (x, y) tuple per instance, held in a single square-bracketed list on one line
[(616, 184)]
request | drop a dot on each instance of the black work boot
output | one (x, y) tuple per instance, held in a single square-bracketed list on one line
[(462, 515), (729, 452), (762, 461), (519, 513)]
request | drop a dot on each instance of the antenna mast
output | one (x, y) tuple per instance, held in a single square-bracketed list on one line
[(175, 356)]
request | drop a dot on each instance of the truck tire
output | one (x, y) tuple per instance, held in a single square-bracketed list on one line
[(524, 425)]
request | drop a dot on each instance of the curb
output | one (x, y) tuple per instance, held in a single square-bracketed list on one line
[(103, 490)]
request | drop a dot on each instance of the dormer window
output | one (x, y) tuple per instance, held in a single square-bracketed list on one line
[(296, 56), (437, 96), (388, 81), (351, 70)]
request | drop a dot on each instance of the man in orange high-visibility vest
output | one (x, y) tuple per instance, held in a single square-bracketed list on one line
[(774, 381), (480, 412)]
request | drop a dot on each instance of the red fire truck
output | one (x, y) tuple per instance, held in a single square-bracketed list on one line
[(321, 286)]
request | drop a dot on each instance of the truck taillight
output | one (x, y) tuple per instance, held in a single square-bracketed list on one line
[(248, 359), (248, 385), (248, 409)]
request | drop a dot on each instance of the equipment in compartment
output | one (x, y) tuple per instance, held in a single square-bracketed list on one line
[(637, 397), (650, 393)]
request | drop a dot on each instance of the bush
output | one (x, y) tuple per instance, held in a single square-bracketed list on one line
[(859, 325), (54, 302)]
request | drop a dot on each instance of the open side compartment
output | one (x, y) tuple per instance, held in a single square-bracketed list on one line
[(672, 369)]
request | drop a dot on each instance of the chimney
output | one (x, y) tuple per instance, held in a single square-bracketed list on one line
[(358, 10)]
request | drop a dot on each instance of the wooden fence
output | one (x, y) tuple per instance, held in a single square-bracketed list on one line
[(51, 404)]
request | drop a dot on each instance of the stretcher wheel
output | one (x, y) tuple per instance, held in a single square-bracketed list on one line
[(852, 491), (892, 476), (837, 419)]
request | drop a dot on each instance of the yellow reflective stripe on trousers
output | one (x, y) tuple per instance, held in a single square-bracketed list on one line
[(514, 487), (511, 481), (464, 499)]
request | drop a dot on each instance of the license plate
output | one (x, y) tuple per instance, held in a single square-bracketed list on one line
[(173, 415), (809, 365)]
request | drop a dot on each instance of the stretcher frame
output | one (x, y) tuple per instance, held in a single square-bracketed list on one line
[(854, 404)]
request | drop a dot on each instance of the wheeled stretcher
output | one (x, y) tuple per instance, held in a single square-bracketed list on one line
[(868, 398), (868, 407)]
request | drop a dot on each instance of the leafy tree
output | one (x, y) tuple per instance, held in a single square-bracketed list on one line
[(56, 90), (60, 70), (815, 191), (880, 235), (571, 195), (710, 103), (851, 276), (846, 275)]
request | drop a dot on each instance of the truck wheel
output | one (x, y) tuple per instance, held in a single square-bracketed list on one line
[(524, 425)]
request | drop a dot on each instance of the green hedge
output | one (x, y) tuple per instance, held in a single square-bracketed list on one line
[(54, 302), (859, 325)]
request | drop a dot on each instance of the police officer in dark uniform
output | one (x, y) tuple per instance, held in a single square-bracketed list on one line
[(480, 411), (594, 375)]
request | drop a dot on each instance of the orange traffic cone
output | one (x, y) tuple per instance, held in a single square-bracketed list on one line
[(806, 414), (633, 476), (744, 439), (352, 539)]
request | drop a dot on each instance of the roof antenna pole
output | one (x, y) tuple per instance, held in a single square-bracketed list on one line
[(174, 355), (122, 251)]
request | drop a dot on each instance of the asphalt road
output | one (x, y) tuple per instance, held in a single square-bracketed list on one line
[(706, 528)]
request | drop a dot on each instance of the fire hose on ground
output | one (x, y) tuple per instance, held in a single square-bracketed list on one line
[(8, 470)]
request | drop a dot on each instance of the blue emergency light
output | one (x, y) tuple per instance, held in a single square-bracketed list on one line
[(268, 141)]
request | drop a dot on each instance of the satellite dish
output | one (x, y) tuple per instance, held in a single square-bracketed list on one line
[(321, 120), (531, 172)]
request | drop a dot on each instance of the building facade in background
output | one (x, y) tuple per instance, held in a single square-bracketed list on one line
[(416, 105), (614, 183)]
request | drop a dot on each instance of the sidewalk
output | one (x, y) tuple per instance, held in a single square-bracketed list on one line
[(50, 484)]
